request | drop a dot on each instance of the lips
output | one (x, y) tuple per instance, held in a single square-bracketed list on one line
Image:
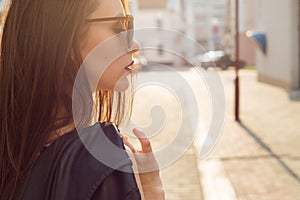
[(128, 66)]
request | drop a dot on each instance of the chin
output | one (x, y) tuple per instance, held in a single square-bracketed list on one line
[(121, 85)]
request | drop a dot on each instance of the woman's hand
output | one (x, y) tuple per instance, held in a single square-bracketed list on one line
[(146, 166)]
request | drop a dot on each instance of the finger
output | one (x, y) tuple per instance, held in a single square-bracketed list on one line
[(145, 142), (123, 136), (129, 145)]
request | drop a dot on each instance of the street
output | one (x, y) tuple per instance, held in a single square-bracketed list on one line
[(256, 159)]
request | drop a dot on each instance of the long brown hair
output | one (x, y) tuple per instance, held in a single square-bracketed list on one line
[(36, 75)]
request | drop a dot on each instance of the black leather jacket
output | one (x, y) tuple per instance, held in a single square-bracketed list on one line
[(67, 170)]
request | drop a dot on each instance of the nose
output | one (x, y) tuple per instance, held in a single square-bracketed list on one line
[(135, 47)]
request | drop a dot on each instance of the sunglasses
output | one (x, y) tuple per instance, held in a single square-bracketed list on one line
[(127, 22)]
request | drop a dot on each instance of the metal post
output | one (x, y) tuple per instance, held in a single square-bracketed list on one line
[(237, 56)]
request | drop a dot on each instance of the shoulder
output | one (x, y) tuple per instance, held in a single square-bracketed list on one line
[(77, 164)]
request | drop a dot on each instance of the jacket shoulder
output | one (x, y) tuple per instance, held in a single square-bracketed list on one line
[(78, 164)]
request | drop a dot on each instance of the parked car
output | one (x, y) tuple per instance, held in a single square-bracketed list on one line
[(217, 59)]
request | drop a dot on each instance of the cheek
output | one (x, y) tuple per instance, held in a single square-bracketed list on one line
[(114, 70), (90, 41), (113, 75)]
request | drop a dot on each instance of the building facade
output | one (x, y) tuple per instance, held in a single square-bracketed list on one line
[(208, 22), (203, 21), (279, 20), (160, 27)]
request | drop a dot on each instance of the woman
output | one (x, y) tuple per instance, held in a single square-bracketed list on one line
[(44, 43)]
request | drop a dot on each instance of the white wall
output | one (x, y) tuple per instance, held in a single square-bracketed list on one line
[(279, 20), (295, 71), (169, 39), (204, 15)]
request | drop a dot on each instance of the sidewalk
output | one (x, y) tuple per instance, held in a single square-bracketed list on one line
[(259, 158), (181, 177)]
